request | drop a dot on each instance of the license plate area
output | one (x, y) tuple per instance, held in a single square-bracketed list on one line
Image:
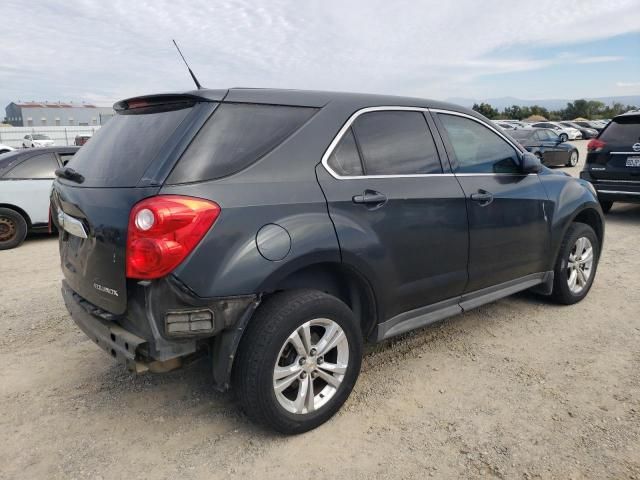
[(633, 162)]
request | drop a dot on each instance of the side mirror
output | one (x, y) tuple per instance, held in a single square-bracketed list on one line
[(529, 163)]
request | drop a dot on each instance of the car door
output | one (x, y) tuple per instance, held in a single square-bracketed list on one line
[(399, 216), (508, 224), (31, 185), (549, 141)]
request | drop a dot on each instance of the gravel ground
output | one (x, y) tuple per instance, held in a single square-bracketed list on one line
[(517, 389)]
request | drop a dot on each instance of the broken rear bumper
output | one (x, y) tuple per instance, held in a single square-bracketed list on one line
[(121, 344)]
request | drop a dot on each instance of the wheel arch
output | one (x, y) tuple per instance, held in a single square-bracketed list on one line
[(20, 211), (335, 278), (341, 281)]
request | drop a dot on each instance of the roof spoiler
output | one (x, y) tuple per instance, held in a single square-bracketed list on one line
[(166, 101)]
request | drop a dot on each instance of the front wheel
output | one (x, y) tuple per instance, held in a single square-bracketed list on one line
[(576, 265), (573, 159), (564, 137), (298, 360)]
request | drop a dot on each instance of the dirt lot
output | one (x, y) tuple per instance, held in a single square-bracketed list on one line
[(517, 389)]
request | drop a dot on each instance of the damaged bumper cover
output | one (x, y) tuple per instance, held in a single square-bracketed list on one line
[(161, 325)]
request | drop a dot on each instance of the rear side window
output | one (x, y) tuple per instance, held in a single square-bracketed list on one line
[(396, 143), (624, 131), (477, 148), (38, 167), (236, 136), (122, 150), (345, 159)]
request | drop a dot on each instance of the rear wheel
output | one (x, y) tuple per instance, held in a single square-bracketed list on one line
[(564, 137), (13, 229), (298, 360), (573, 159), (576, 265), (606, 205)]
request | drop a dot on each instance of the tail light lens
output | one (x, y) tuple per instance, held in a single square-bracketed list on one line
[(163, 230), (595, 145)]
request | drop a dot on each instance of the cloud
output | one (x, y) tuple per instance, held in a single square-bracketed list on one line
[(80, 49), (628, 84)]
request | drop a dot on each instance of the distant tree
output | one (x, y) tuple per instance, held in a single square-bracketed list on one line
[(514, 112), (486, 110), (538, 110)]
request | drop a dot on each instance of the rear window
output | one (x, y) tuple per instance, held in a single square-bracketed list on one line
[(623, 130), (121, 151), (236, 136)]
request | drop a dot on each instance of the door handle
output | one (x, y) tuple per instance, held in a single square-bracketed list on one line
[(483, 197), (370, 197)]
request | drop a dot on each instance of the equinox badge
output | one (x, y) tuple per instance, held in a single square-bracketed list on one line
[(102, 288)]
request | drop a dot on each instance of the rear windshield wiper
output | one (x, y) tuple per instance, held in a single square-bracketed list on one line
[(70, 174)]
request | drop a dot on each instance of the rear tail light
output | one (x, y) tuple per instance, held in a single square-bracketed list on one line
[(595, 145), (163, 230)]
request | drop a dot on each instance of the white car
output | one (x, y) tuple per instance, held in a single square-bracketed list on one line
[(37, 140), (565, 133), (505, 125), (26, 177), (5, 149)]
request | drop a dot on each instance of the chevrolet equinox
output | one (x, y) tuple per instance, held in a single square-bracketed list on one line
[(278, 230)]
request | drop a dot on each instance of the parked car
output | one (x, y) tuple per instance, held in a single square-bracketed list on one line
[(5, 149), (613, 161), (25, 184), (589, 124), (82, 139), (279, 229), (565, 133), (504, 125), (37, 140), (587, 133), (547, 145), (518, 123)]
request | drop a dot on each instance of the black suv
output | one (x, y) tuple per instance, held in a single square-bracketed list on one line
[(278, 230), (613, 161)]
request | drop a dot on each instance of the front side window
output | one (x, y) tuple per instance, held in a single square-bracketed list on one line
[(478, 149), (38, 167), (396, 143)]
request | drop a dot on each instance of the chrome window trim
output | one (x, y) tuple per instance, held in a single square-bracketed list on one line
[(619, 192), (625, 153), (382, 108)]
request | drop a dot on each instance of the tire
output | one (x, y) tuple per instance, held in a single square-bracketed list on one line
[(13, 229), (569, 260), (266, 345), (564, 137), (573, 159), (606, 205)]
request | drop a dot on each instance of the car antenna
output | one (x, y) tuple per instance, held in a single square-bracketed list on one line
[(188, 68)]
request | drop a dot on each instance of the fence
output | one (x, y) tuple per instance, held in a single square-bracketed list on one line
[(13, 136)]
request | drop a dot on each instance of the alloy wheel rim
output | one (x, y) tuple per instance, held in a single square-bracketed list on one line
[(311, 366), (7, 229), (580, 265), (574, 159)]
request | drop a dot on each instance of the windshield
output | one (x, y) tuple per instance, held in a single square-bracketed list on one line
[(623, 130)]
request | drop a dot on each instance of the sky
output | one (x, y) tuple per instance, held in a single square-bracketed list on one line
[(102, 51)]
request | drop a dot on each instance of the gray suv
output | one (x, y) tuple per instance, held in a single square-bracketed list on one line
[(278, 230)]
